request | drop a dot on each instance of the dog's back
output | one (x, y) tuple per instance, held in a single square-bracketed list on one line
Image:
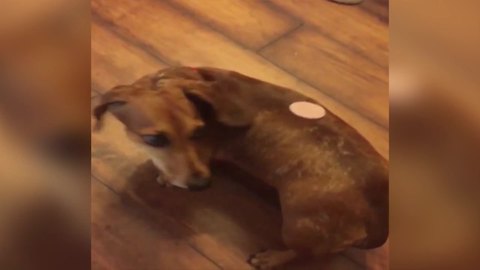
[(326, 154)]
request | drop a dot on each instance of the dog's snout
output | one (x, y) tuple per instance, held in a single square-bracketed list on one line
[(200, 180), (199, 184)]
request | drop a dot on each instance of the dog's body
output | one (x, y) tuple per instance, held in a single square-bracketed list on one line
[(332, 184)]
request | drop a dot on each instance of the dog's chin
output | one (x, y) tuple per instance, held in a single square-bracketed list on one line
[(199, 186), (193, 186), (179, 185)]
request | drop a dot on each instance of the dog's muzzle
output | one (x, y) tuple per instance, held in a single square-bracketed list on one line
[(199, 184)]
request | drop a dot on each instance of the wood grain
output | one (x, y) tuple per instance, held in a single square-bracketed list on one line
[(252, 24), (125, 238), (115, 61), (349, 25)]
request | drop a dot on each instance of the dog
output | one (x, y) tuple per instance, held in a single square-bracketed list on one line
[(332, 184)]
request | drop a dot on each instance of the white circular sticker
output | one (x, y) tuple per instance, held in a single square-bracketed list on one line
[(307, 110)]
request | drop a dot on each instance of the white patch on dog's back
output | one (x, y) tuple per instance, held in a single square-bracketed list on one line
[(307, 110)]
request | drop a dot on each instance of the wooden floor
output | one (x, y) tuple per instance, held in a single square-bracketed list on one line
[(333, 53)]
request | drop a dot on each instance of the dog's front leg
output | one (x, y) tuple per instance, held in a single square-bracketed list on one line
[(161, 179)]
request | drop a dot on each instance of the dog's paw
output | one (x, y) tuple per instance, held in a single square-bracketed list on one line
[(271, 259), (162, 182)]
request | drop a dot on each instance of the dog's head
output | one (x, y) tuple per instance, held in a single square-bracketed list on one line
[(168, 115)]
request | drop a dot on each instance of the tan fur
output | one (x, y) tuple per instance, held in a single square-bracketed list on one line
[(173, 115)]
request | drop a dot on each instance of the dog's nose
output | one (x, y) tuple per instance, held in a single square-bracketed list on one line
[(199, 184), (200, 173)]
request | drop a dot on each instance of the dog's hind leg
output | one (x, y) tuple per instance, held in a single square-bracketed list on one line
[(297, 235)]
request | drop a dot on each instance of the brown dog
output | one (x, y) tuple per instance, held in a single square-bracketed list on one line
[(332, 184)]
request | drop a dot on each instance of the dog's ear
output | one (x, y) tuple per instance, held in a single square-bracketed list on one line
[(110, 101), (213, 100)]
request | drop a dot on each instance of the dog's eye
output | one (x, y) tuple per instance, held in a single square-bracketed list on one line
[(198, 133), (158, 140)]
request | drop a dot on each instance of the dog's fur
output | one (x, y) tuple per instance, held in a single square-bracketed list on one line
[(332, 184)]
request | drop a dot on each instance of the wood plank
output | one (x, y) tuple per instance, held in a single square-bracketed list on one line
[(139, 21), (353, 80), (250, 23), (115, 61), (349, 25), (124, 238)]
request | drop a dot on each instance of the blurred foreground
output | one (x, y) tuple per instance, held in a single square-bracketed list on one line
[(44, 135), (435, 134)]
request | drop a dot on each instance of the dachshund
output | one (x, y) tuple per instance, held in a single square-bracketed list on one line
[(332, 184)]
